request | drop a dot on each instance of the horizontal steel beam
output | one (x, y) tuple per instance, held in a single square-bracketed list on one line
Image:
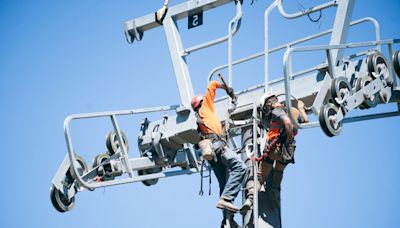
[(134, 28)]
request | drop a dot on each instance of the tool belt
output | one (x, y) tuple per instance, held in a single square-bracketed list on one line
[(281, 151), (287, 153), (210, 145)]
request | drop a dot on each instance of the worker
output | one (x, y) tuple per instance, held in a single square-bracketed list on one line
[(280, 145), (228, 167), (281, 132)]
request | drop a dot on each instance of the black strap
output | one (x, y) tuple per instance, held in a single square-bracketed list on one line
[(201, 192), (209, 182)]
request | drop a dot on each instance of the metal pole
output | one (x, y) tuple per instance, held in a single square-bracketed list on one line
[(266, 48), (341, 27), (180, 66), (255, 169), (122, 147)]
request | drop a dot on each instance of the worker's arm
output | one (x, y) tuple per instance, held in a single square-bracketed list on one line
[(288, 128), (277, 105), (230, 92), (210, 94), (300, 107)]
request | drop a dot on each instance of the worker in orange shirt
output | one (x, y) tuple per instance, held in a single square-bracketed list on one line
[(228, 167)]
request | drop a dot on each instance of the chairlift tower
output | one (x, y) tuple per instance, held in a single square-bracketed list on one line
[(331, 90)]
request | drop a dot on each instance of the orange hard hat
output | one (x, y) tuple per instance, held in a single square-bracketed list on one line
[(196, 100)]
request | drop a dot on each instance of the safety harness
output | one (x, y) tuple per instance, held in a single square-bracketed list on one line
[(271, 147), (276, 142)]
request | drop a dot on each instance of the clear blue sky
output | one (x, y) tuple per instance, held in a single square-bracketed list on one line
[(63, 57)]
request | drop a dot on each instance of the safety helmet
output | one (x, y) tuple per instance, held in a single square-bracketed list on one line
[(265, 97), (196, 100)]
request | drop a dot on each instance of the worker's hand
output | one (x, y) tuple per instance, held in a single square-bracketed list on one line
[(229, 91), (277, 105), (234, 100), (300, 105)]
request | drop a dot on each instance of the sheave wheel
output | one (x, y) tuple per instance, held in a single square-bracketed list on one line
[(83, 168), (327, 120), (112, 142), (340, 89), (106, 168), (377, 64), (149, 171), (373, 100), (396, 62), (59, 201)]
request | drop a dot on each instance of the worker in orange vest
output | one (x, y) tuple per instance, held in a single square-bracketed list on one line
[(228, 167), (280, 148), (281, 131)]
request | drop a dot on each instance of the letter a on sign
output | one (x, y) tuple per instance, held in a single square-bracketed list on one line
[(195, 19)]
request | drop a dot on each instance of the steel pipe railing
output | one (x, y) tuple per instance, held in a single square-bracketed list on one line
[(302, 40), (327, 48), (236, 20), (113, 115)]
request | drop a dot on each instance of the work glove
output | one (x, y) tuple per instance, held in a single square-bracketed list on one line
[(234, 100), (232, 95), (230, 92)]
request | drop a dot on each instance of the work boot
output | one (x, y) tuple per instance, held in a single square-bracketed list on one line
[(248, 203), (273, 196), (233, 224), (224, 203)]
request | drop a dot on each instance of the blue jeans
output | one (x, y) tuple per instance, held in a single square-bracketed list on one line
[(229, 170)]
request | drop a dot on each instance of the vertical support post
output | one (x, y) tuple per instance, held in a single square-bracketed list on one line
[(230, 36), (266, 45), (233, 26), (178, 61), (124, 152), (331, 64), (262, 215), (255, 169), (247, 138), (341, 27)]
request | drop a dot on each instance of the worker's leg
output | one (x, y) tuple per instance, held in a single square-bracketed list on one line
[(237, 169), (221, 172), (274, 193), (249, 185), (265, 169), (278, 174)]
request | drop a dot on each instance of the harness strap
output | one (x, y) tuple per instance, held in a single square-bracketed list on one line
[(274, 143), (209, 182), (201, 192)]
